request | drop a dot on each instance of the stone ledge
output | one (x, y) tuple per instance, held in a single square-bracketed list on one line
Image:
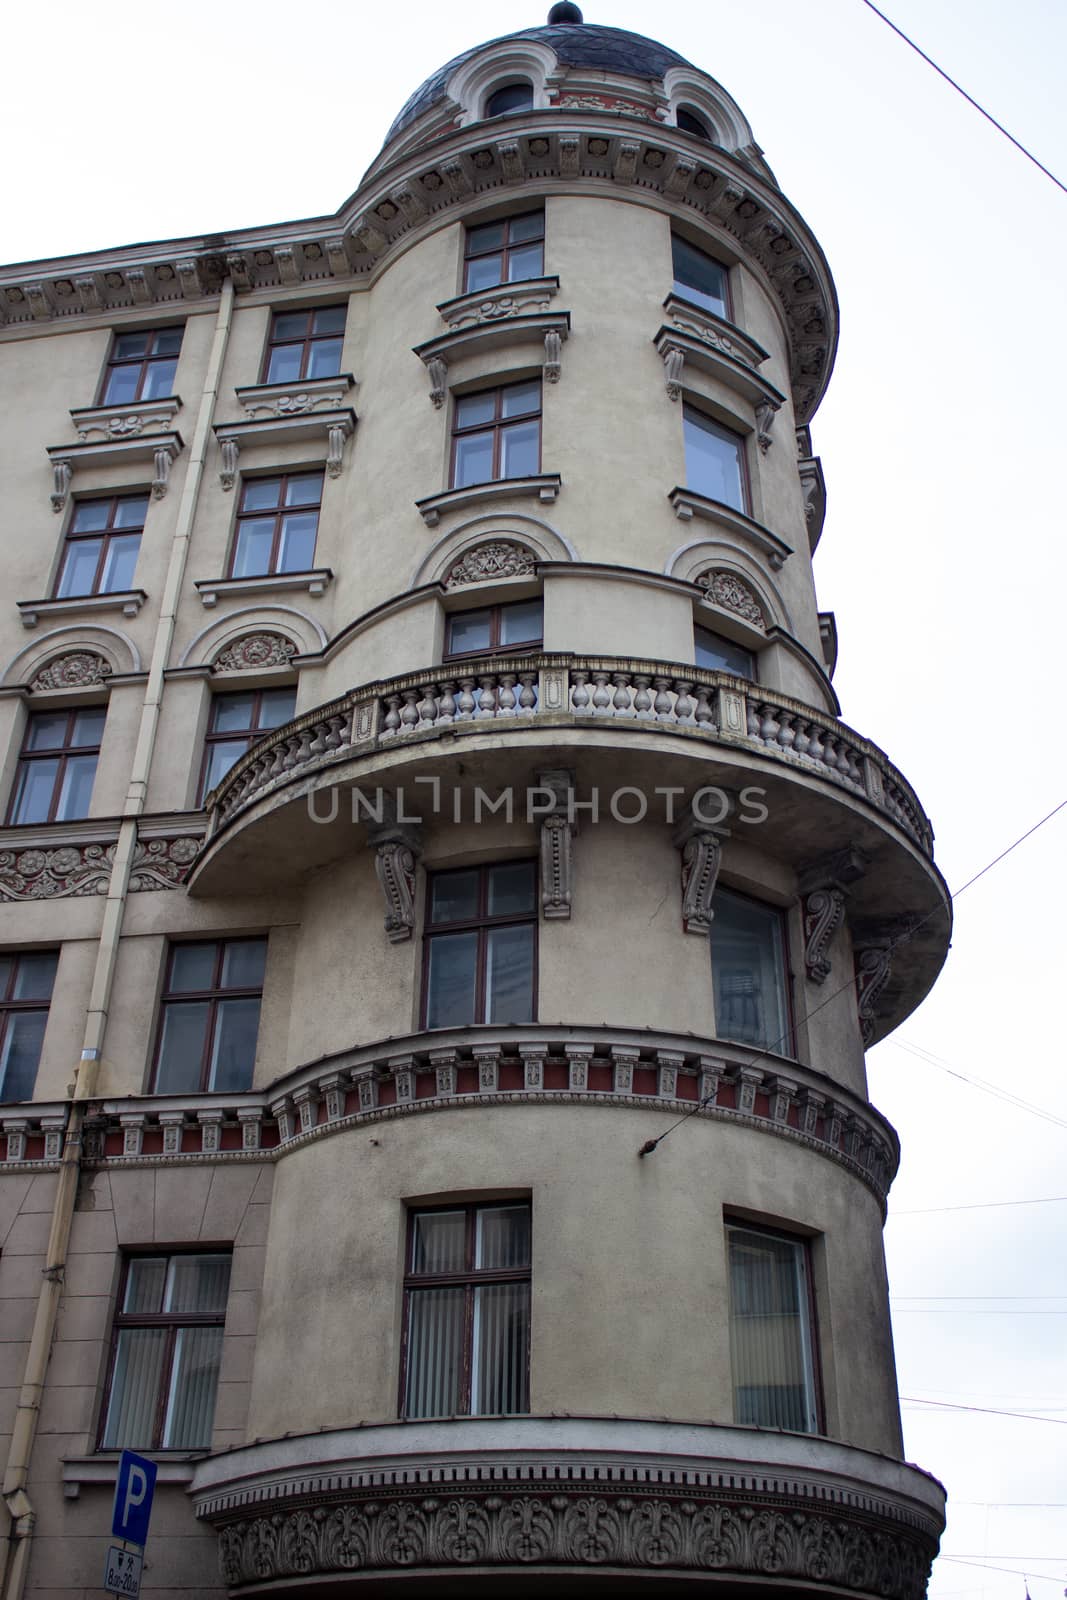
[(545, 486)]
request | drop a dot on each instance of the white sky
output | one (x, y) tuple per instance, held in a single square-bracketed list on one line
[(942, 443)]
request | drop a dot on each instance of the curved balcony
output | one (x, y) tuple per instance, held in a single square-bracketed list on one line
[(610, 1506)]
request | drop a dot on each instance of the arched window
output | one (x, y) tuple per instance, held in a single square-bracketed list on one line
[(511, 97), (689, 122)]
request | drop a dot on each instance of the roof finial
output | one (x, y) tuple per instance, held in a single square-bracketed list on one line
[(564, 11)]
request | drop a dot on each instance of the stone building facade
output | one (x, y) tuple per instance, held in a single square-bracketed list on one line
[(425, 789)]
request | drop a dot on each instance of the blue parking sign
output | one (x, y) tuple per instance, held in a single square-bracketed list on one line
[(134, 1489)]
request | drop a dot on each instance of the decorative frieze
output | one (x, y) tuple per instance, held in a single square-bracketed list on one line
[(295, 399), (499, 558), (125, 422), (255, 652), (79, 669), (162, 863), (501, 304), (59, 874), (731, 593)]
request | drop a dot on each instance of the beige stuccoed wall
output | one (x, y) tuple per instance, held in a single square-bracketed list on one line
[(629, 1271)]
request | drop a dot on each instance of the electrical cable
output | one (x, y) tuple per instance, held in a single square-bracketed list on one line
[(968, 97), (986, 1411), (982, 1205), (1010, 1099), (651, 1145)]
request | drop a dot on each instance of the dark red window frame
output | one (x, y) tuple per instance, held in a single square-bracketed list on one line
[(480, 924), (470, 1278), (281, 480), (10, 1006), (712, 425), (306, 342), (496, 624), (789, 1235), (212, 997), (149, 358), (787, 1046), (249, 734), (64, 751), (504, 249), (105, 534), (680, 286), (496, 426)]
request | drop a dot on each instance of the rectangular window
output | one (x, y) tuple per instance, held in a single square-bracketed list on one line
[(699, 278), (277, 525), (714, 460), (165, 1353), (237, 721), (101, 547), (504, 252), (495, 630), (54, 780), (720, 654), (771, 1321), (749, 973), (141, 366), (481, 945), (497, 434), (209, 1017), (25, 991), (466, 1349), (305, 344)]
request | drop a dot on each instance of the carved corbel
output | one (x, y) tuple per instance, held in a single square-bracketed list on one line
[(162, 459), (231, 451), (557, 833), (337, 433), (874, 964), (397, 847), (824, 887), (673, 367), (765, 414), (62, 472), (437, 367), (701, 850), (553, 352)]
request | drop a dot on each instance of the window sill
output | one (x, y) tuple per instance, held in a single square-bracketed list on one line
[(175, 1466), (545, 486), (688, 505), (126, 601), (309, 398), (503, 301), (314, 582), (130, 421)]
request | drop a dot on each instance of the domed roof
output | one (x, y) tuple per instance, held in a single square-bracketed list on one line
[(575, 45)]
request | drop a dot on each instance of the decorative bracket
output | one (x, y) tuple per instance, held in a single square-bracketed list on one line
[(557, 832), (701, 849), (397, 847), (824, 886), (231, 451), (873, 970), (765, 414), (62, 472), (553, 353), (437, 367), (673, 366)]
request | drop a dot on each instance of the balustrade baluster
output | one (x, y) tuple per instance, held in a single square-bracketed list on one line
[(704, 715), (390, 723), (642, 699), (468, 705), (664, 703), (786, 729), (528, 692), (622, 699), (409, 717), (601, 697), (768, 724), (487, 701), (802, 741), (815, 745), (752, 718), (506, 707), (427, 707), (685, 705), (446, 711), (580, 693)]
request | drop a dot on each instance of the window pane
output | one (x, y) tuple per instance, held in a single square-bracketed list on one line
[(520, 453), (255, 539), (119, 563), (522, 623), (324, 359), (135, 1384), (502, 1237), (20, 1053), (233, 1054), (130, 346), (770, 1343), (526, 262), (329, 319), (722, 655), (181, 1047), (243, 962), (530, 226), (121, 386), (454, 896), (296, 551), (47, 730), (305, 490), (512, 889), (78, 572), (76, 788), (131, 511), (500, 1349), (284, 364), (520, 398), (713, 462), (748, 967), (697, 277), (474, 408), (474, 460), (276, 707), (198, 1283), (489, 236), (193, 1383), (470, 630), (290, 325), (144, 1284), (168, 342), (439, 1241), (221, 758), (159, 379), (34, 789), (513, 97), (261, 494), (451, 980), (484, 272), (88, 726), (231, 712), (434, 1353), (36, 975), (192, 968), (89, 515), (509, 974)]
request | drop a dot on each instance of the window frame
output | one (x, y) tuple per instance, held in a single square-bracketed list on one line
[(172, 1321), (496, 427), (282, 479), (496, 618), (480, 924), (469, 1279), (503, 250), (306, 343), (64, 752), (787, 1044), (711, 633), (10, 1006), (106, 534), (213, 997), (114, 363), (803, 1242), (679, 288), (254, 732), (501, 88), (712, 425)]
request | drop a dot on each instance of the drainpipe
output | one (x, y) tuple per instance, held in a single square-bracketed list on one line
[(19, 1507)]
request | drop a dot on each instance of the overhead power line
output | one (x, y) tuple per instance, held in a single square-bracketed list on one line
[(982, 1205), (979, 1083), (986, 1411), (968, 97)]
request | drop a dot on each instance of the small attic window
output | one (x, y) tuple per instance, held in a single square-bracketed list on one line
[(510, 97), (690, 122)]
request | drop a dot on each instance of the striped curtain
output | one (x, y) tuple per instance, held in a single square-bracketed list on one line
[(770, 1339), (131, 1414)]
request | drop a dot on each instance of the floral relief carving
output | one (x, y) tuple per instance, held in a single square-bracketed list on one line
[(254, 651), (71, 871), (80, 669), (732, 593), (162, 863), (499, 559)]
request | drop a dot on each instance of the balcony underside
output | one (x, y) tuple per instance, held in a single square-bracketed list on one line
[(604, 1506)]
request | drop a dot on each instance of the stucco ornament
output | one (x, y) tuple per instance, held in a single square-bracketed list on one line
[(80, 669), (502, 558), (824, 911), (254, 651), (68, 871), (874, 966), (732, 593)]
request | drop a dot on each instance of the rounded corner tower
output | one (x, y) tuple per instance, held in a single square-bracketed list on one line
[(582, 902)]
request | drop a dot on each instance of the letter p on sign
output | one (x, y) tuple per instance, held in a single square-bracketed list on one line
[(134, 1489)]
